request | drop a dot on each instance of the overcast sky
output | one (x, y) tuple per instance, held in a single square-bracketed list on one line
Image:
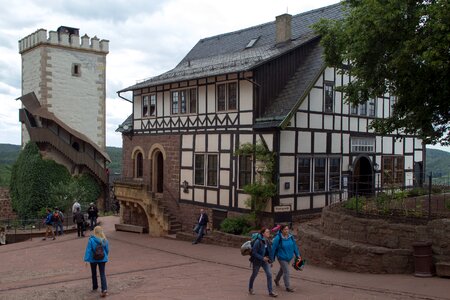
[(147, 38)]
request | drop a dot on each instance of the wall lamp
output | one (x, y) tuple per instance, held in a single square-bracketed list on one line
[(185, 186)]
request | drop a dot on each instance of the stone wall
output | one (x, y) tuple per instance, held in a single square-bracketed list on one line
[(347, 242), (6, 211)]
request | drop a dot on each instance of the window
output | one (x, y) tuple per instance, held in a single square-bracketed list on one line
[(316, 168), (149, 105), (319, 174), (199, 169), (335, 174), (245, 170), (372, 111), (393, 100), (227, 96), (393, 170), (252, 43), (329, 97), (138, 167), (360, 144), (354, 110), (184, 101), (208, 170), (76, 70), (363, 109), (304, 175)]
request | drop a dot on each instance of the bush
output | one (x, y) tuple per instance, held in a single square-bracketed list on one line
[(31, 181), (416, 192), (355, 203), (236, 225)]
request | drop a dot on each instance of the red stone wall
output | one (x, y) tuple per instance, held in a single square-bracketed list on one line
[(6, 211)]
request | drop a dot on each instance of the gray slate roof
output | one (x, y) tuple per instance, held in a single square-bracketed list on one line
[(226, 53)]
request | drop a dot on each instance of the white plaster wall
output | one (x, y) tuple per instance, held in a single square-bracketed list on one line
[(269, 140), (186, 159), (31, 72), (188, 176), (287, 141), (167, 108), (362, 125), (201, 99), (302, 120), (224, 160), (211, 99), (246, 118), (409, 145), (245, 95), (200, 143), (211, 197), (303, 203), (319, 201), (223, 198), (287, 164), (224, 178), (304, 104), (316, 99), (329, 74), (378, 144), (225, 141), (187, 141), (328, 122), (245, 138), (345, 123), (387, 145), (283, 180), (398, 147), (287, 201), (320, 142), (159, 104), (199, 195), (241, 200), (418, 156), (315, 121), (78, 101), (137, 103), (337, 123), (304, 142), (336, 143), (337, 101), (346, 143), (353, 124), (213, 143)]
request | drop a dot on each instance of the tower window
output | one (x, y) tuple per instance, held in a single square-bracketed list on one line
[(76, 70)]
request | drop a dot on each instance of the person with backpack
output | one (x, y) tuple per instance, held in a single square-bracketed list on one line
[(92, 215), (58, 221), (260, 257), (96, 254), (284, 249), (48, 222), (78, 218)]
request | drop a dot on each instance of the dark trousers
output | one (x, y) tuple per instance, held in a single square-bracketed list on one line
[(101, 268), (80, 229)]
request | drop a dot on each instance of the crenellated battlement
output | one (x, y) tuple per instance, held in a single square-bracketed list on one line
[(63, 39)]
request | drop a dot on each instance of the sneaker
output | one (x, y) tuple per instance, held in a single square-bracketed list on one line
[(251, 292), (274, 295), (277, 282), (290, 290), (44, 239), (104, 294), (54, 238)]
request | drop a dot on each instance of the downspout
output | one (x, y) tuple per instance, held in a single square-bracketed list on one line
[(258, 86)]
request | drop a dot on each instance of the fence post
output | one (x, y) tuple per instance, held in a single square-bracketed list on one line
[(430, 180)]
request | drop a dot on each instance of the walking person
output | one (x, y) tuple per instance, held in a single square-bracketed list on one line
[(92, 215), (78, 218), (284, 249), (93, 256), (58, 222), (200, 228), (260, 257), (76, 206), (48, 222)]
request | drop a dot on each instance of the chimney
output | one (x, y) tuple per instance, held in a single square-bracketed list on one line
[(284, 32)]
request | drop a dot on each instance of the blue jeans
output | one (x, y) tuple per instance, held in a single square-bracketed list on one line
[(284, 271), (59, 225), (200, 229), (93, 222), (101, 267), (268, 272)]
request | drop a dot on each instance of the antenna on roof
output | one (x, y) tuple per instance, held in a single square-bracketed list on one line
[(287, 9)]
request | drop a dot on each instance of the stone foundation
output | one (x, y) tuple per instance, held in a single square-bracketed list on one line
[(6, 211)]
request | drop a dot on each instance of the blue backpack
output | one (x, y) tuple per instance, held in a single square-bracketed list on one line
[(246, 248)]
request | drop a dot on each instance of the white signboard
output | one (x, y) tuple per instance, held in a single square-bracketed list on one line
[(282, 208)]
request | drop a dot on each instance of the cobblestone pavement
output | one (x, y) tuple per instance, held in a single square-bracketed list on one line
[(142, 267)]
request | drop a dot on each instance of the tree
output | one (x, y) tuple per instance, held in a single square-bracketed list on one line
[(400, 47), (262, 188)]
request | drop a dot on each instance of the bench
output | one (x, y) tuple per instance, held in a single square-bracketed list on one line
[(129, 228)]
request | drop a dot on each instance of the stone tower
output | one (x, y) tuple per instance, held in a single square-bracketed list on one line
[(68, 78)]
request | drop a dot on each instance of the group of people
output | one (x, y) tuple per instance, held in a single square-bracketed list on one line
[(265, 250), (98, 238)]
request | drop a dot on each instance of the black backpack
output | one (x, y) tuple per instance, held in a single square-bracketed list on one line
[(99, 254)]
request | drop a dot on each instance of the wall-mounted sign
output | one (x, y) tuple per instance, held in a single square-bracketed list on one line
[(282, 208)]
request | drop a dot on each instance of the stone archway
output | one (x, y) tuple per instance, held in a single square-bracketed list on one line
[(158, 157), (363, 176)]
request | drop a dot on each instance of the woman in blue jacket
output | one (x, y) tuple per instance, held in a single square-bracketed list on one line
[(260, 257), (284, 248), (97, 238)]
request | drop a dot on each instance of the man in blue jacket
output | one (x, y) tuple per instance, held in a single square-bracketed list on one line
[(48, 222)]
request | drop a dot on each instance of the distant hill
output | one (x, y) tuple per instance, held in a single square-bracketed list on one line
[(438, 162), (115, 153)]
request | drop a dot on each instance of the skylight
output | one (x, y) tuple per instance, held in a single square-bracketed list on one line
[(251, 43)]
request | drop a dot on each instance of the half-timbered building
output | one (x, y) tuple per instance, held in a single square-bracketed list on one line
[(269, 84)]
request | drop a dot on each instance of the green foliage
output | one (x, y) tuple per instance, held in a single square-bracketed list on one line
[(5, 175), (263, 188), (236, 225), (31, 181), (355, 203), (447, 204), (415, 192), (115, 166), (401, 48)]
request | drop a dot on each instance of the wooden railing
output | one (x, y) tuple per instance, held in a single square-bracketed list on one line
[(45, 135)]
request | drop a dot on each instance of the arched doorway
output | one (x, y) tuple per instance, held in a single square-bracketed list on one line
[(363, 177), (158, 172)]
